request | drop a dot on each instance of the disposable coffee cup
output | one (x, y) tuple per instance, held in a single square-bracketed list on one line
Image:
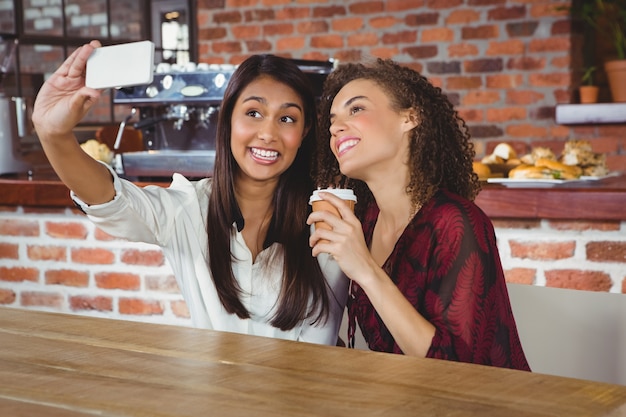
[(318, 204)]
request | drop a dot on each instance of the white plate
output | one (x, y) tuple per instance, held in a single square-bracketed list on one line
[(527, 183)]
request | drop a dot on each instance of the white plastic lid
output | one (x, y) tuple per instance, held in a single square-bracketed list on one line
[(343, 193)]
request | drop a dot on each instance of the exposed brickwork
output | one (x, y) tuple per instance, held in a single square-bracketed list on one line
[(490, 55)]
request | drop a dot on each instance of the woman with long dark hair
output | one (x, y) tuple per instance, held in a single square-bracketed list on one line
[(237, 242)]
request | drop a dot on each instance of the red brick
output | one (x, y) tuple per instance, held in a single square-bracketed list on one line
[(47, 253), (231, 16), (578, 280), (329, 11), (68, 277), (259, 15), (96, 256), (317, 26), (504, 81), (212, 33), (606, 251), (66, 230), (7, 296), (527, 63), (521, 275), (290, 44), (400, 5), (480, 32), (328, 41), (542, 250), (510, 47), (477, 97), (366, 7), (162, 283), (526, 131), (472, 115), (383, 22), (9, 251), (246, 31), (292, 13), (624, 286), (139, 307), (16, 227), (462, 16), (506, 114), (118, 280), (19, 274), (437, 35), (180, 309), (97, 303), (559, 44), (464, 83), (362, 39), (406, 36), (444, 4), (41, 299), (462, 49), (281, 29), (421, 51), (521, 97), (350, 24), (226, 47), (352, 55), (142, 257), (385, 53), (580, 225), (484, 65), (507, 13), (258, 46)]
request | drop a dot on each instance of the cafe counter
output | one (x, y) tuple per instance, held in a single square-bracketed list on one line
[(582, 200)]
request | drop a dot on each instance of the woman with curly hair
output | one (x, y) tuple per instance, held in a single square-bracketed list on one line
[(426, 273)]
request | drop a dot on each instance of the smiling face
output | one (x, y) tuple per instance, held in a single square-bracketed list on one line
[(368, 136), (267, 129)]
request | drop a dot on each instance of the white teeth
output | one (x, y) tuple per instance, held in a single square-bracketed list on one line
[(264, 153), (347, 144)]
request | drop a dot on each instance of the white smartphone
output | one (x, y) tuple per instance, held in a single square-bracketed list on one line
[(122, 65)]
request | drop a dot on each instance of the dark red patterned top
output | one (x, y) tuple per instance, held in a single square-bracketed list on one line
[(447, 265)]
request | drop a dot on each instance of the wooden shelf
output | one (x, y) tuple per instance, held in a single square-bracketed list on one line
[(567, 114)]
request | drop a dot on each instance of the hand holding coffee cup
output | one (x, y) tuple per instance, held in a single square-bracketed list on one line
[(318, 204)]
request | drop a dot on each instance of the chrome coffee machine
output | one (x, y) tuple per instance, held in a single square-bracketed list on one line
[(178, 117), (12, 117)]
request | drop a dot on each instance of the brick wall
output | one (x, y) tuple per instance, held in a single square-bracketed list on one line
[(504, 63), (57, 260)]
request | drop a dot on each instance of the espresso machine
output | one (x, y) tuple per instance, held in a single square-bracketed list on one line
[(178, 118), (12, 117)]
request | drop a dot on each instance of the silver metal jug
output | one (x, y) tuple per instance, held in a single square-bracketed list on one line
[(12, 128)]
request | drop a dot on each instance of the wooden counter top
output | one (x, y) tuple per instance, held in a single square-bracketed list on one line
[(589, 200), (68, 365)]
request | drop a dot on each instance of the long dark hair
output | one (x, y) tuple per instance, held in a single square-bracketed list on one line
[(440, 153), (303, 292)]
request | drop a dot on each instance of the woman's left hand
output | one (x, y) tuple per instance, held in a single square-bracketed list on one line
[(345, 242)]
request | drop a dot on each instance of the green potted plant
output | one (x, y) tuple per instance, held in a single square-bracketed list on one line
[(588, 91), (608, 19)]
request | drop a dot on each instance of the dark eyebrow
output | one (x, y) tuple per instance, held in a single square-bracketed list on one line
[(262, 100), (349, 102)]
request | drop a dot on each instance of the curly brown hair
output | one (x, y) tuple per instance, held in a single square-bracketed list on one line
[(441, 152)]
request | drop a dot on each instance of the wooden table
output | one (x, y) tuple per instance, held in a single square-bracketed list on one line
[(54, 364)]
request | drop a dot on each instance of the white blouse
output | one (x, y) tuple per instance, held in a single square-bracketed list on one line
[(174, 218)]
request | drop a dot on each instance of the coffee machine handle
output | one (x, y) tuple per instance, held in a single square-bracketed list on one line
[(20, 115)]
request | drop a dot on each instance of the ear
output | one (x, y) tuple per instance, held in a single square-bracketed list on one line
[(410, 119)]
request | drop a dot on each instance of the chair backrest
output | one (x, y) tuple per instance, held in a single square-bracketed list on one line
[(572, 333)]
